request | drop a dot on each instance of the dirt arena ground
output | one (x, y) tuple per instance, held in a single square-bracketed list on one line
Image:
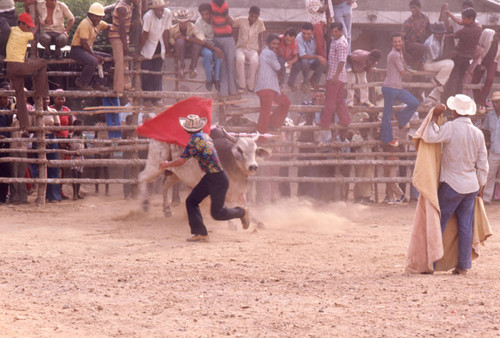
[(99, 267)]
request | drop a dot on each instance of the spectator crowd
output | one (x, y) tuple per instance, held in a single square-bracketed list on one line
[(239, 57)]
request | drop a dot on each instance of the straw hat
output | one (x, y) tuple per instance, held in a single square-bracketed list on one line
[(495, 96), (193, 123), (462, 104), (96, 9), (182, 15), (158, 4)]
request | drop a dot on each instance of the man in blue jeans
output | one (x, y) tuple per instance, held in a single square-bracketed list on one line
[(392, 90), (464, 170)]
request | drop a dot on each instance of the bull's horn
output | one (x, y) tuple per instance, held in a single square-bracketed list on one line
[(229, 136), (256, 137)]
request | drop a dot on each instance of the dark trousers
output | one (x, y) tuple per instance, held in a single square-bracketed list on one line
[(216, 186), (7, 20), (462, 205), (53, 190), (456, 81), (294, 71), (152, 82), (16, 71), (89, 63), (480, 95), (4, 172)]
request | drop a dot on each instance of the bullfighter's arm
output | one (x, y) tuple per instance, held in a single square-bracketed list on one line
[(175, 163)]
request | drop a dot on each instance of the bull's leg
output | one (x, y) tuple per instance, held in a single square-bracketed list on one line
[(147, 175), (176, 196), (170, 180)]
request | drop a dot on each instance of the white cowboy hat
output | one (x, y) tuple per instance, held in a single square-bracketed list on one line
[(193, 123), (182, 15), (158, 4), (495, 96), (462, 104)]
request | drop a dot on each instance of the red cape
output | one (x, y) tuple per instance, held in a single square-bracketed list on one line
[(166, 127)]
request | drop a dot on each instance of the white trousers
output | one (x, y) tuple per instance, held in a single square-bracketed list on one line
[(443, 69), (357, 78), (252, 56)]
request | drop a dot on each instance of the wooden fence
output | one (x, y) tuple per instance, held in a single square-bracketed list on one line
[(289, 152)]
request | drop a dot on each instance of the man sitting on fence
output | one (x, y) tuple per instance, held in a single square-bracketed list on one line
[(5, 121), (435, 61), (18, 67), (186, 36), (288, 57), (212, 56), (51, 15), (154, 40), (309, 59), (81, 48), (415, 31)]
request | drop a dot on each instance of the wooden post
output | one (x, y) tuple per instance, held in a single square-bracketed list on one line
[(42, 167)]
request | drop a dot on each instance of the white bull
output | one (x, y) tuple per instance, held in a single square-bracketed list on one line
[(238, 156)]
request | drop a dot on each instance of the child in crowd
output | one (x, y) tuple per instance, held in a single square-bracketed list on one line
[(76, 171)]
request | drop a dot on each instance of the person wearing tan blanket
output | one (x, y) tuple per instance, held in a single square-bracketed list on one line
[(450, 171)]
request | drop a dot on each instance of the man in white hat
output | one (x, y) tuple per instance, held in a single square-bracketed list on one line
[(154, 40), (491, 125), (183, 36), (464, 169), (215, 182)]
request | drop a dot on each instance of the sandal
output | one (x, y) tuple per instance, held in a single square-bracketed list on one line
[(197, 238), (180, 73), (193, 73)]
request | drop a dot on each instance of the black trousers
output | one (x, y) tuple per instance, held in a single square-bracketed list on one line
[(216, 186), (4, 172)]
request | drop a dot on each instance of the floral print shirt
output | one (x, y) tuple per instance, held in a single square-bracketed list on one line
[(201, 147)]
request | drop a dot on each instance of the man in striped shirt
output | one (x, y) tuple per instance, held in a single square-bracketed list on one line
[(336, 78), (118, 37), (223, 39)]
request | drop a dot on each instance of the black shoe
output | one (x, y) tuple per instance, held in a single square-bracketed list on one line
[(217, 86), (209, 86)]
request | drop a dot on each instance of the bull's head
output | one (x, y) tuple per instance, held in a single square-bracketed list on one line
[(245, 151)]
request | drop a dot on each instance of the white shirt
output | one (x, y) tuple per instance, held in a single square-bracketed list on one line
[(155, 27), (464, 160)]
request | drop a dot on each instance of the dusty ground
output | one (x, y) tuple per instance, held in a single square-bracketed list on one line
[(98, 267)]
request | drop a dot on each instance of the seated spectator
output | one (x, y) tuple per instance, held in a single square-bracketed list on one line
[(250, 42), (119, 39), (336, 78), (18, 67), (468, 38), (342, 12), (288, 57), (154, 40), (415, 31), (309, 60), (82, 52), (316, 15), (185, 36), (487, 62), (212, 56), (360, 63), (5, 121), (268, 89), (8, 18), (52, 31), (435, 61)]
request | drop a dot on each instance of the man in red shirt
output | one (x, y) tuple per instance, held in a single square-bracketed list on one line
[(288, 56)]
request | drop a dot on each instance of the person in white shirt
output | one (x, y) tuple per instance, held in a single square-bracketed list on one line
[(250, 43), (435, 61), (464, 170), (154, 40)]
